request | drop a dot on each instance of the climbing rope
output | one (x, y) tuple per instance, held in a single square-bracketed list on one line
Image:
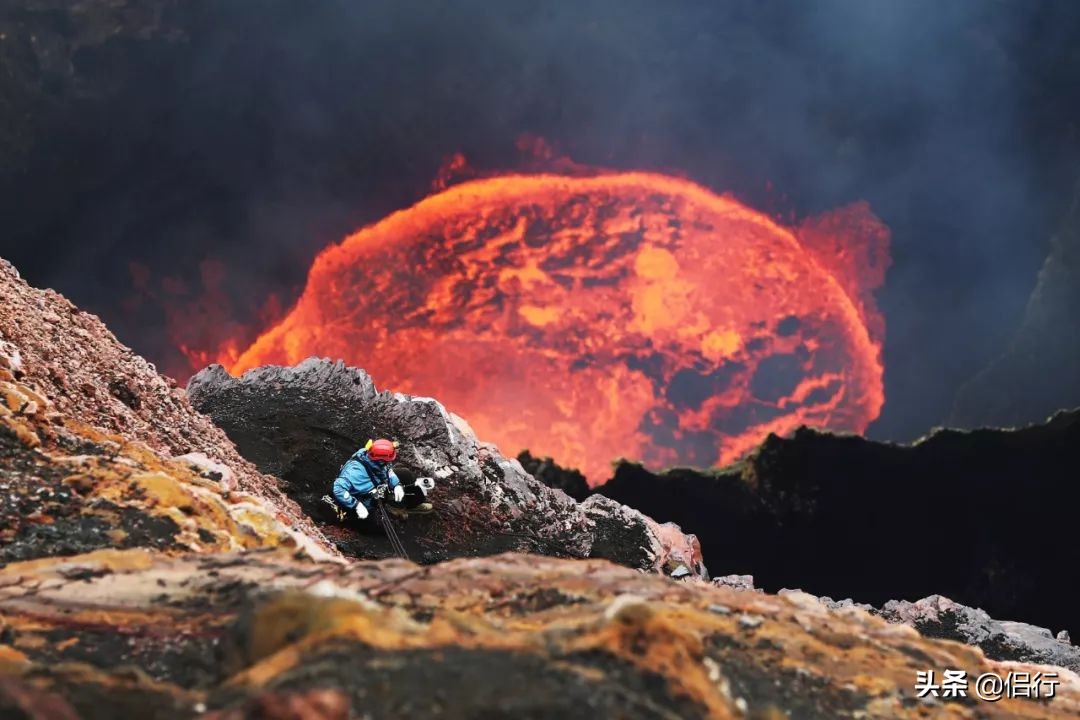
[(391, 532)]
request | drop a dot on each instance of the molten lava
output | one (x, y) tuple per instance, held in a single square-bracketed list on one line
[(588, 318)]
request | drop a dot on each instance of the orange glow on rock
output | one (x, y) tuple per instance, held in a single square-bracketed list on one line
[(588, 318)]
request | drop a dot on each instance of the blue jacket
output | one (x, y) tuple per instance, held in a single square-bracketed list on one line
[(358, 477)]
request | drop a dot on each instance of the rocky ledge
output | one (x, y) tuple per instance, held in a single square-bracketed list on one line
[(301, 423), (546, 470)]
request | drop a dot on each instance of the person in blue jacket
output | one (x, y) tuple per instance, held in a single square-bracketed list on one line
[(361, 474)]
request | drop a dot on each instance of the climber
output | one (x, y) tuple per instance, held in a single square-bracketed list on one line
[(367, 474)]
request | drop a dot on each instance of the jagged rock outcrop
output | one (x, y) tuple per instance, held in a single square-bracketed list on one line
[(940, 617), (133, 633), (547, 471), (301, 424), (741, 583), (985, 517), (70, 357), (626, 536)]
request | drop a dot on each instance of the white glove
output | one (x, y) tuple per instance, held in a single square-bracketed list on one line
[(361, 511), (399, 493)]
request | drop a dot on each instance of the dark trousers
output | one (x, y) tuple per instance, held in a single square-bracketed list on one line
[(413, 496)]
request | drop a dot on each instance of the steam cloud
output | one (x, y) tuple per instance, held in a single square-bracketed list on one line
[(257, 137)]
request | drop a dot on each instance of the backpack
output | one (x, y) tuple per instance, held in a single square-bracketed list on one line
[(379, 476)]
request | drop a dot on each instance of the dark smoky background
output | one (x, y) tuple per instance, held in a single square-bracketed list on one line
[(140, 139)]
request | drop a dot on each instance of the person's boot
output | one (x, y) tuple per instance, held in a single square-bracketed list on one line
[(416, 500)]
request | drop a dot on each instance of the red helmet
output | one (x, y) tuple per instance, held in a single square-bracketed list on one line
[(382, 449)]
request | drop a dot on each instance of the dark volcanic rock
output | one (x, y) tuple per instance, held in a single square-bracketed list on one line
[(302, 423), (547, 471), (986, 517), (617, 530), (940, 617)]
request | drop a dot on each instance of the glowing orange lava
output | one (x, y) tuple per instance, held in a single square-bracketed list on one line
[(588, 318)]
